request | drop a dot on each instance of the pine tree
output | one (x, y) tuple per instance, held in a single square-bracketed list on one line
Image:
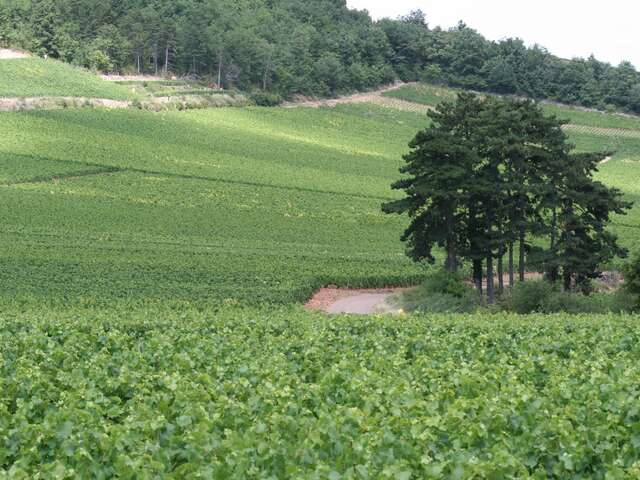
[(438, 170)]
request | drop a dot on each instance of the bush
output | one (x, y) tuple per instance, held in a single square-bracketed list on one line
[(542, 297), (266, 99), (447, 283), (577, 303), (624, 301), (632, 280), (441, 292), (529, 297)]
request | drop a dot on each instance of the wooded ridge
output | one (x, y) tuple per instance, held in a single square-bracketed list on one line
[(287, 47)]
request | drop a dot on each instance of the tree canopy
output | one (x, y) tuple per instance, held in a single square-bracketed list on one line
[(299, 47), (493, 176)]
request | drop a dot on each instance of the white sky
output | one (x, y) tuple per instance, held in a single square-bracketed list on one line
[(567, 28)]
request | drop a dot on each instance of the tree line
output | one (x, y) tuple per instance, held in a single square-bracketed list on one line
[(491, 179), (299, 47)]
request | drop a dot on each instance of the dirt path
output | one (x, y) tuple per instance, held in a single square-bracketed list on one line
[(363, 304), (8, 54), (335, 300), (132, 78), (375, 97), (11, 104)]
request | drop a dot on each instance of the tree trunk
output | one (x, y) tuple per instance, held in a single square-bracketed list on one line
[(491, 296), (522, 266), (500, 271), (220, 69), (477, 275), (166, 60), (567, 280), (451, 263), (452, 259), (155, 58), (511, 266), (553, 270)]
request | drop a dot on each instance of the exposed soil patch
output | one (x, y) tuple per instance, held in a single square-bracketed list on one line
[(8, 54), (357, 301), (132, 78), (11, 104)]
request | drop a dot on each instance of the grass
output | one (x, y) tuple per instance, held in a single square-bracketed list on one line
[(170, 88), (36, 77), (422, 93), (426, 94)]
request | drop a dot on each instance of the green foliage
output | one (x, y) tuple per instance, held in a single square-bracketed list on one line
[(632, 278), (266, 99), (235, 394), (529, 297), (252, 205), (442, 281), (297, 46), (441, 292), (539, 296), (35, 77)]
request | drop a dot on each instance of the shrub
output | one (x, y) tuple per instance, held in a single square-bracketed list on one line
[(266, 99), (624, 301), (542, 297), (632, 279), (447, 283), (441, 292), (529, 297), (575, 303)]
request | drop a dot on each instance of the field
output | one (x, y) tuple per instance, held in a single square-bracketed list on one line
[(237, 394), (231, 204), (247, 205), (36, 77), (153, 268)]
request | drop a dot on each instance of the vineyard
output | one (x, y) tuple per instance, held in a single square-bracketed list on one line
[(238, 394), (153, 265), (219, 205), (216, 205)]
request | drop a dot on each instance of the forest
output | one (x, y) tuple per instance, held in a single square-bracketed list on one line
[(296, 47)]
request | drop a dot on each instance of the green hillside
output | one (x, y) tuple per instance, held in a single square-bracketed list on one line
[(36, 77), (238, 204), (249, 204), (153, 269), (426, 94)]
